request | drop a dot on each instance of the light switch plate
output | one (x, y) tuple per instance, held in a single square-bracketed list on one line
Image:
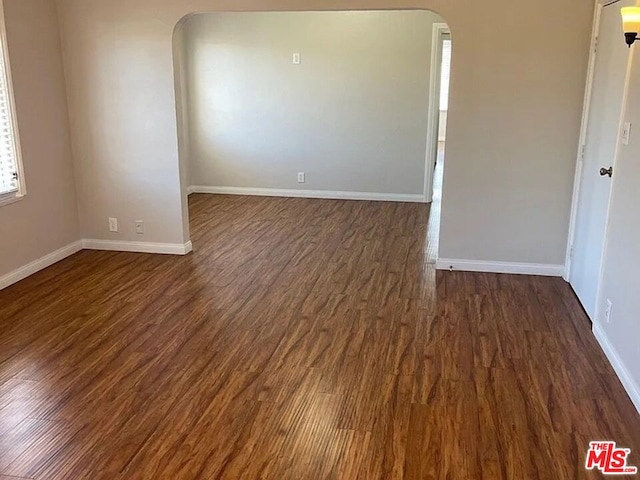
[(626, 133)]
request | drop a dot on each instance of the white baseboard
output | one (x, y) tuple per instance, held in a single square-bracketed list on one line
[(629, 384), (138, 247), (40, 264), (64, 252), (326, 194), (546, 270)]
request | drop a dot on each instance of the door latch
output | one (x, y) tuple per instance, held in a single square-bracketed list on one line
[(606, 172)]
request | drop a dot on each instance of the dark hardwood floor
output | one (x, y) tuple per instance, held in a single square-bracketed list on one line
[(303, 339)]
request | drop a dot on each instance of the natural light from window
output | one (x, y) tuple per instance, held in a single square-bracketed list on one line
[(10, 185)]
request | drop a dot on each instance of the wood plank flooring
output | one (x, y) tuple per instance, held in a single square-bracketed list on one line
[(303, 339)]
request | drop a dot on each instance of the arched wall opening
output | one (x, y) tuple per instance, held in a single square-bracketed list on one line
[(514, 116), (353, 112)]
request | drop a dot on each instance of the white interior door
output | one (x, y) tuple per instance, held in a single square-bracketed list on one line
[(600, 150)]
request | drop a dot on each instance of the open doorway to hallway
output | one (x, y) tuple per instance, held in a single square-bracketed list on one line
[(444, 61)]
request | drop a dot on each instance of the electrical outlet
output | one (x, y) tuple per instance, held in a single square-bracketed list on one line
[(139, 227), (113, 225), (297, 59), (607, 312), (301, 177)]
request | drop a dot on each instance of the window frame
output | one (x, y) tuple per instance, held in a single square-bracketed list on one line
[(11, 197)]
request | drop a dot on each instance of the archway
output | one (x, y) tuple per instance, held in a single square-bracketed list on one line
[(425, 102)]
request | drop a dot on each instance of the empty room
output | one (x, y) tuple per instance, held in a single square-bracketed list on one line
[(275, 239)]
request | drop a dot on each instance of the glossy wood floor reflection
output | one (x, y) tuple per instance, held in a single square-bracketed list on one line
[(303, 340)]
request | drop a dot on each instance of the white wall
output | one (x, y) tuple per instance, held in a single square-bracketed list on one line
[(352, 115), (513, 118), (622, 253), (47, 218)]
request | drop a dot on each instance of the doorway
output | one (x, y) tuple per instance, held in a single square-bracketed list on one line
[(441, 82), (602, 127)]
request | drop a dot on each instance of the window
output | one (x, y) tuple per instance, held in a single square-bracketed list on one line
[(11, 183)]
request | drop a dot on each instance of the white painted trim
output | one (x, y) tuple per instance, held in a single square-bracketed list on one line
[(190, 190), (543, 269), (64, 252), (138, 247), (9, 198), (326, 194), (631, 387), (40, 264), (439, 30), (586, 109)]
